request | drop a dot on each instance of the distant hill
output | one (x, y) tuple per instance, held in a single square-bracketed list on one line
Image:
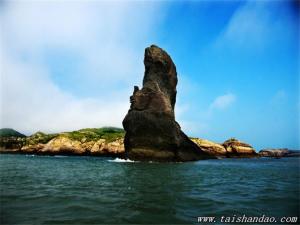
[(8, 132)]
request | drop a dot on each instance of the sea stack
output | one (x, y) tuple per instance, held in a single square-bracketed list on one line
[(152, 134)]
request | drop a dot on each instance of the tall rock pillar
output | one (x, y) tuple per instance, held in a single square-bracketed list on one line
[(152, 134)]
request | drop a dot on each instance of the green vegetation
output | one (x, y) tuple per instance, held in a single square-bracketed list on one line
[(8, 132), (40, 137), (93, 134), (84, 135)]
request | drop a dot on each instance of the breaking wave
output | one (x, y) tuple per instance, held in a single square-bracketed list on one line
[(121, 160)]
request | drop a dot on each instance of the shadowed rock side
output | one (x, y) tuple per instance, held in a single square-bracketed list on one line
[(151, 130)]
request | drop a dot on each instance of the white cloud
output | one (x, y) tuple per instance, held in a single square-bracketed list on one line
[(108, 37), (223, 101), (31, 102), (250, 27), (104, 34)]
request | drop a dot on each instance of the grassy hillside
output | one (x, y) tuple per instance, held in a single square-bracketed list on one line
[(83, 135), (92, 134), (39, 137)]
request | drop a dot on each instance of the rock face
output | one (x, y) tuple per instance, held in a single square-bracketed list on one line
[(151, 130), (210, 147), (230, 148), (65, 146), (112, 148), (236, 148), (60, 145)]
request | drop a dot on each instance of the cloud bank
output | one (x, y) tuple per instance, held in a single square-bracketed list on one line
[(105, 37)]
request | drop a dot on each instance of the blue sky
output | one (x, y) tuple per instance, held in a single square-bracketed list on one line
[(68, 65)]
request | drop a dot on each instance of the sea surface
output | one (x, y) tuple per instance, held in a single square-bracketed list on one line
[(91, 190)]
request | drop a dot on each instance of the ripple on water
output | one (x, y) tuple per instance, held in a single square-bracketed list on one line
[(86, 190)]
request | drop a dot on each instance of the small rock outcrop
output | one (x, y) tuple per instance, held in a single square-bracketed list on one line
[(210, 147), (101, 147), (152, 134), (231, 148), (64, 145), (236, 148), (279, 153)]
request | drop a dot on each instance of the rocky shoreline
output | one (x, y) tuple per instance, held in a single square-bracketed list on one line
[(279, 153), (92, 142), (109, 142)]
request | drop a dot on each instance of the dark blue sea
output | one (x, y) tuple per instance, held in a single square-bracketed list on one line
[(91, 190)]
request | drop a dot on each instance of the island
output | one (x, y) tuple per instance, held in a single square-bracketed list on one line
[(109, 141), (150, 132)]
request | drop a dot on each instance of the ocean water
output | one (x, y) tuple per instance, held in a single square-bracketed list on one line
[(90, 190)]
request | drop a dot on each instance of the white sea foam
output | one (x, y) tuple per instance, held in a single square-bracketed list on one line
[(121, 160)]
